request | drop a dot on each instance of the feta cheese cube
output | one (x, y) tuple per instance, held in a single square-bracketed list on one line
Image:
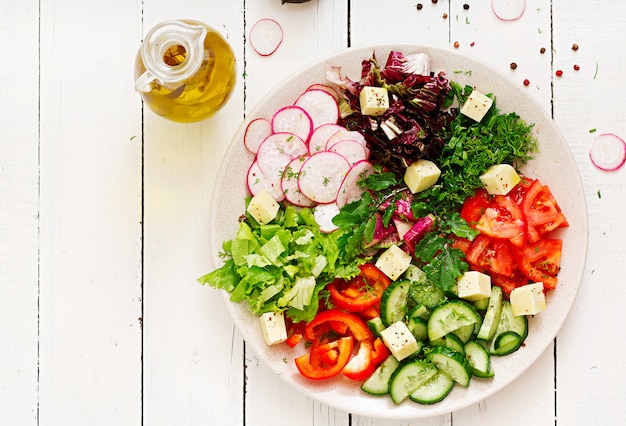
[(528, 300), (399, 340), (263, 208), (473, 286), (499, 179), (421, 175), (374, 100), (476, 105), (273, 327), (393, 262)]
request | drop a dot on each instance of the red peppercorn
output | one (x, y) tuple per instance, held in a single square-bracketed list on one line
[(456, 45), (576, 67), (559, 73), (526, 82)]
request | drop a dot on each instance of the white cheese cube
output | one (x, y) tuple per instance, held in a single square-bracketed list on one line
[(421, 175), (393, 262), (399, 340), (374, 100), (273, 327), (473, 286), (263, 208), (528, 300), (499, 179), (476, 105)]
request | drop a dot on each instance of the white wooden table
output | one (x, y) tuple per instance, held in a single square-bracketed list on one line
[(104, 207)]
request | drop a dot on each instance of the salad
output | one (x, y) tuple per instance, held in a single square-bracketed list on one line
[(389, 233)]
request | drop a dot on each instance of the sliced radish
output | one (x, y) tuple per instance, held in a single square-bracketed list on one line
[(256, 132), (608, 152), (352, 150), (289, 183), (257, 181), (265, 36), (293, 119), (324, 214), (508, 10), (277, 150), (345, 134), (320, 137), (326, 88), (350, 190), (321, 176), (321, 106)]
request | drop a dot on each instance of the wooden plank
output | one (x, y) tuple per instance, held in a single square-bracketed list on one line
[(590, 376), (193, 355), (311, 31), (19, 212), (90, 282)]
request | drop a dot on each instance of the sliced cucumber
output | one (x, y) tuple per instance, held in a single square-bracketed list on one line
[(376, 326), (465, 333), (434, 390), (506, 343), (492, 316), (419, 311), (408, 377), (479, 359), (449, 317), (418, 328), (481, 304), (378, 382), (452, 363), (393, 307), (450, 341)]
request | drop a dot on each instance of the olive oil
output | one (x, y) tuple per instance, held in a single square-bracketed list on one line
[(185, 70)]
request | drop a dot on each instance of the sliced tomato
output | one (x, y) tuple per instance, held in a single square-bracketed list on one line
[(541, 261), (360, 293), (542, 211), (491, 255), (503, 219), (475, 206), (507, 284), (327, 360)]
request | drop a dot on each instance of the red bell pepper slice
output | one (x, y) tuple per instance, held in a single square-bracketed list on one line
[(354, 326), (361, 292), (321, 363)]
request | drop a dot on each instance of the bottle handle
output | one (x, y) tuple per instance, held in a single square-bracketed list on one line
[(143, 84)]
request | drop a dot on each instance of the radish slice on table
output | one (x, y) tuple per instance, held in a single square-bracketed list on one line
[(277, 150), (265, 36), (324, 214), (508, 10), (321, 176), (350, 190), (351, 150), (608, 152), (289, 184), (256, 132), (257, 181), (321, 106), (320, 137), (293, 119)]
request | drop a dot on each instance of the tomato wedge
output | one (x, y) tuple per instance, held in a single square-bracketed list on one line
[(542, 212), (491, 255), (360, 293), (541, 261)]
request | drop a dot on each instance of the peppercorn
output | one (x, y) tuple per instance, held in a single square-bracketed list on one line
[(526, 82), (576, 67), (419, 6), (434, 1), (513, 65), (559, 73), (574, 47), (542, 50), (456, 45), (466, 6), (444, 16)]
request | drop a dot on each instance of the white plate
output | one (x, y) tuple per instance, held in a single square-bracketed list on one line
[(554, 165)]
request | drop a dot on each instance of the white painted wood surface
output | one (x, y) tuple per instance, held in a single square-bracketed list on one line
[(104, 206)]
